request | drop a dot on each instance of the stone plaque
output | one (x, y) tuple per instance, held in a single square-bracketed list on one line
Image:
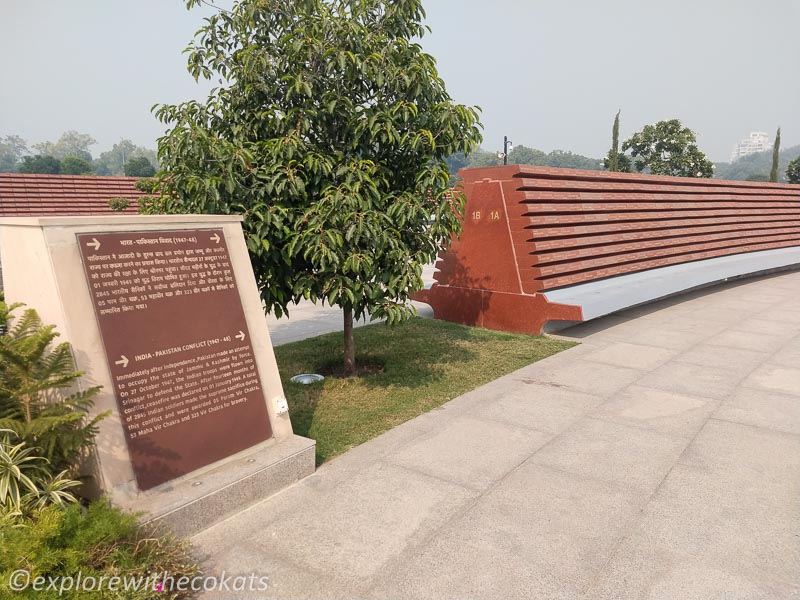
[(178, 348)]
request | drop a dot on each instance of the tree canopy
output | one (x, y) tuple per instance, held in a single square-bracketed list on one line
[(793, 171), (71, 143), (139, 166), (72, 165), (329, 134), (40, 164), (668, 148), (12, 149), (113, 161)]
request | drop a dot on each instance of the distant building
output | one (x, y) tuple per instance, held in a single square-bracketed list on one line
[(757, 142)]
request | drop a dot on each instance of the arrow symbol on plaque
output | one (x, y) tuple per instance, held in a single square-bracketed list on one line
[(240, 336), (216, 238), (123, 360), (94, 244)]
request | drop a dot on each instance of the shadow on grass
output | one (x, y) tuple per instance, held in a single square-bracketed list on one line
[(411, 354), (412, 368)]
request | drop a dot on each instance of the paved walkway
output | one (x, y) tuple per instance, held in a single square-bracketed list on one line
[(310, 320), (658, 459)]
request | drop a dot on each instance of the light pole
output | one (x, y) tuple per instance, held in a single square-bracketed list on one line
[(506, 144)]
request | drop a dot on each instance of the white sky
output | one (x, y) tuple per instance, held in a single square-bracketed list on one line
[(547, 74)]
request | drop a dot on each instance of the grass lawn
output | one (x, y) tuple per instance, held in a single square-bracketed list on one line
[(410, 369)]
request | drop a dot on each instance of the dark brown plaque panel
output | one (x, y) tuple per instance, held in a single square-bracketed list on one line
[(178, 348)]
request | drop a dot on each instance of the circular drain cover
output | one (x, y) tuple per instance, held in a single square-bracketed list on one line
[(307, 378)]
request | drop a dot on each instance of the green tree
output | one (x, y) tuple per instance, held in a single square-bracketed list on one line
[(668, 148), (329, 134), (112, 162), (40, 164), (71, 143), (484, 158), (456, 162), (72, 165), (139, 166), (613, 154), (523, 155), (776, 153), (793, 171), (616, 161), (565, 159), (624, 164), (12, 149)]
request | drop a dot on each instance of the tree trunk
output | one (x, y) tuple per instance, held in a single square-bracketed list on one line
[(349, 343)]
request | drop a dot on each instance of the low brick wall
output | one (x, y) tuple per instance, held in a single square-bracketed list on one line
[(528, 230), (28, 195), (40, 195)]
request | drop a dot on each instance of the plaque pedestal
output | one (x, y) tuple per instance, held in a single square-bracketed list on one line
[(163, 312)]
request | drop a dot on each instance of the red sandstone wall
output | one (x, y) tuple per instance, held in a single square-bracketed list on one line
[(532, 229)]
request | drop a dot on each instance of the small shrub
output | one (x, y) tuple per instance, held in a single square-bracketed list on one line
[(118, 204), (36, 402), (99, 541), (148, 185), (25, 483), (156, 205), (42, 529), (18, 470)]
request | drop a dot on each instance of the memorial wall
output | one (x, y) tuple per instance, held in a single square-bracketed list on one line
[(533, 235)]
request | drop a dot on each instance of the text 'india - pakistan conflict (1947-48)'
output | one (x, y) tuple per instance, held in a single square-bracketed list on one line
[(178, 347)]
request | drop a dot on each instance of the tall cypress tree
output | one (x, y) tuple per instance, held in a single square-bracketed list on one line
[(613, 159), (776, 149)]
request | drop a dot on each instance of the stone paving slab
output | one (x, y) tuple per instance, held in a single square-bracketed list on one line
[(518, 541), (541, 407), (766, 410), (643, 570), (658, 459), (722, 357), (470, 452), (627, 456), (657, 410)]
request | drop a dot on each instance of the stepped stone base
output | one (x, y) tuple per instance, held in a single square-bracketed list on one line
[(197, 501)]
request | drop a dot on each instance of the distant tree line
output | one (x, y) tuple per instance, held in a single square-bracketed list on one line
[(70, 155), (669, 148), (758, 166), (522, 155)]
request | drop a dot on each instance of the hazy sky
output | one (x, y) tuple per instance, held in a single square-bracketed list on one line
[(547, 74)]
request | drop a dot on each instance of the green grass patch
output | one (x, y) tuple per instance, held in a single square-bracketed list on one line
[(410, 369)]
